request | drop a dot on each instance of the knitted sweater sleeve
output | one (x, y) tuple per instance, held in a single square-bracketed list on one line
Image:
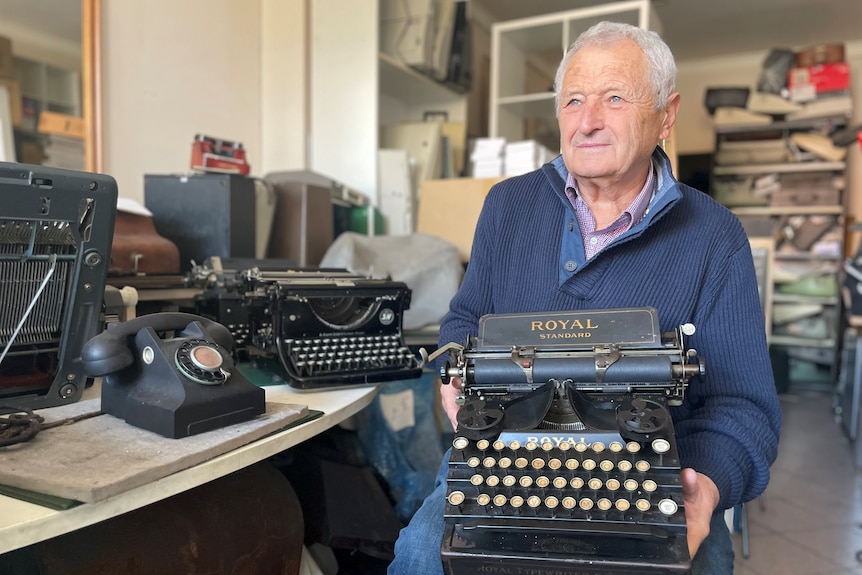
[(729, 426)]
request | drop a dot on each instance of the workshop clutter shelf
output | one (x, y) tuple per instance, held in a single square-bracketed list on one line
[(785, 180)]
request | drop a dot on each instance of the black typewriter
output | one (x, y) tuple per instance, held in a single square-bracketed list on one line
[(564, 458), (323, 327)]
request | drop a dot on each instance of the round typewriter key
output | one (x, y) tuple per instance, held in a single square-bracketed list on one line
[(521, 462), (542, 481), (554, 464), (483, 444), (489, 462), (630, 485), (586, 504), (649, 485), (594, 483), (588, 464), (642, 504), (534, 501), (604, 504), (615, 446), (514, 445), (483, 499), (580, 447), (572, 463), (492, 481), (661, 445), (612, 484), (456, 497), (531, 446), (560, 482), (477, 479), (622, 504), (516, 501), (642, 465), (564, 446), (606, 465), (538, 463), (509, 480), (547, 446), (499, 445), (668, 506), (473, 462), (624, 465), (551, 502), (525, 481), (576, 482), (569, 502), (504, 463), (499, 500), (598, 446), (460, 443), (633, 446)]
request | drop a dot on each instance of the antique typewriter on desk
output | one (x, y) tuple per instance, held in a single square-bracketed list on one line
[(564, 459), (323, 327)]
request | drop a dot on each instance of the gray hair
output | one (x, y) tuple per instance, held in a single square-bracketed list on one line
[(660, 63)]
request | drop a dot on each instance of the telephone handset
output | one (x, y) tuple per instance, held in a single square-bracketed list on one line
[(175, 386)]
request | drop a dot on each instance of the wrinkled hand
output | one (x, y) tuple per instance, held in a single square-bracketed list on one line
[(700, 496), (449, 392)]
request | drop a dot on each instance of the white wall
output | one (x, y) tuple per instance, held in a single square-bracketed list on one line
[(174, 69)]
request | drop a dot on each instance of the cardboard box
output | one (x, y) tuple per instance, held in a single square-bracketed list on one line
[(449, 209), (815, 81), (62, 125), (14, 91), (7, 60)]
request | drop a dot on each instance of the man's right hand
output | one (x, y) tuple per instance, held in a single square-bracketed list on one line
[(449, 392)]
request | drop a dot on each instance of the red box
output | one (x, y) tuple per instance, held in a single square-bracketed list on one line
[(822, 77)]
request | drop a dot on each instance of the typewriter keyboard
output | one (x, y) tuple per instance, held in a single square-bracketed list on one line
[(591, 481), (350, 359)]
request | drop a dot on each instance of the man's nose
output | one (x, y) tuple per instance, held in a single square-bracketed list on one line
[(592, 117)]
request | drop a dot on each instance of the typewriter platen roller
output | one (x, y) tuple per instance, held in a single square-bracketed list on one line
[(565, 456)]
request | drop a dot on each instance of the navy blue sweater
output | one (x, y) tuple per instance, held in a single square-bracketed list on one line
[(689, 258)]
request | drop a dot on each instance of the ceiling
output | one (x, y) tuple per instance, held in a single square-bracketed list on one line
[(692, 28), (708, 28), (58, 18)]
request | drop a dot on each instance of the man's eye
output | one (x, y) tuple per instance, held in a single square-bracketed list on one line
[(574, 102), (616, 99)]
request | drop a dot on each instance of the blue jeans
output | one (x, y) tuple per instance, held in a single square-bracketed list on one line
[(417, 550)]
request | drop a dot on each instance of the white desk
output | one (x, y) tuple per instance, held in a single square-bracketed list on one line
[(23, 523)]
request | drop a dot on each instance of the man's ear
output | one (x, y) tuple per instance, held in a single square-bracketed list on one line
[(670, 111)]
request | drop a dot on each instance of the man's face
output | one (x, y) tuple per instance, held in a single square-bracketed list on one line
[(608, 122)]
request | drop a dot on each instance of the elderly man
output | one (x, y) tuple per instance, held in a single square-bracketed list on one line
[(606, 225)]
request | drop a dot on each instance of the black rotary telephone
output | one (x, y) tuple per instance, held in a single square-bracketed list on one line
[(171, 373)]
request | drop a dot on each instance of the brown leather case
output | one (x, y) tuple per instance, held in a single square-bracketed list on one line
[(138, 248)]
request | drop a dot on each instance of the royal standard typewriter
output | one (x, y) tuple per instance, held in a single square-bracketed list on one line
[(322, 327), (564, 458)]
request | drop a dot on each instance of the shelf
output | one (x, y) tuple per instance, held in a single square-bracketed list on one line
[(825, 122), (792, 341), (788, 210), (529, 105), (787, 168), (778, 297), (808, 256), (404, 83)]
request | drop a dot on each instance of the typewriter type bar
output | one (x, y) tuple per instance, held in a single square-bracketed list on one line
[(325, 328), (565, 458)]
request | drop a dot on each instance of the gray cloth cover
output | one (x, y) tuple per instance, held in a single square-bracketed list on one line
[(430, 267)]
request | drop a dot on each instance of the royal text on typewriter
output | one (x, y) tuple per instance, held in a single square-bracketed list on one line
[(564, 458)]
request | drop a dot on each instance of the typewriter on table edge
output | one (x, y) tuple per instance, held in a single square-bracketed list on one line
[(323, 328), (564, 458)]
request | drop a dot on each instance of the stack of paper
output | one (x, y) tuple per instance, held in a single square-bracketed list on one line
[(487, 157), (525, 156)]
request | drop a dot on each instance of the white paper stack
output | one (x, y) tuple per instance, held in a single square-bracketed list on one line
[(525, 156), (487, 157), (62, 152)]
